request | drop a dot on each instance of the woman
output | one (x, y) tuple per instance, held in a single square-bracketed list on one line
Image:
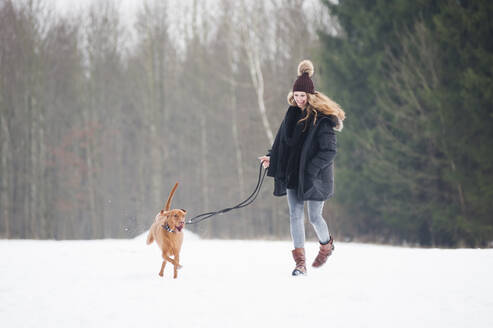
[(301, 162)]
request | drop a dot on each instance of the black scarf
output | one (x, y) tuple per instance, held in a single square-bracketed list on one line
[(293, 136)]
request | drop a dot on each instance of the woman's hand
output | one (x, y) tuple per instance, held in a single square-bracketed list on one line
[(265, 161)]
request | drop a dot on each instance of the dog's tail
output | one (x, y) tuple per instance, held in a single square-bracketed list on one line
[(150, 238), (168, 203)]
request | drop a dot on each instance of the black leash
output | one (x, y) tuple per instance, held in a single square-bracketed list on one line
[(246, 202)]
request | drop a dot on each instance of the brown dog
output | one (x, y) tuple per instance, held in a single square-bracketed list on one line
[(167, 232)]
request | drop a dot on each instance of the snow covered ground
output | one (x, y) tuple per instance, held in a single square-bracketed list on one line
[(115, 283)]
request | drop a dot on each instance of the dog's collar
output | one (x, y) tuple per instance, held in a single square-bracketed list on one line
[(167, 228)]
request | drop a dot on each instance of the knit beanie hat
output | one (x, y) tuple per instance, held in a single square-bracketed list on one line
[(304, 82)]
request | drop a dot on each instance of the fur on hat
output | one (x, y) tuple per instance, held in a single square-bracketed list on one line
[(305, 66)]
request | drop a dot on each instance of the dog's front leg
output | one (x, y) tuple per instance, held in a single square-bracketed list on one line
[(174, 262), (161, 273), (176, 266)]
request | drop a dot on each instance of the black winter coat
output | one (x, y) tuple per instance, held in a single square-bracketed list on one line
[(316, 167)]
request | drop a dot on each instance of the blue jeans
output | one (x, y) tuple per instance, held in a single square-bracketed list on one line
[(297, 218)]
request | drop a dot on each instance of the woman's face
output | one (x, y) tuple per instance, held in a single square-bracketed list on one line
[(300, 98)]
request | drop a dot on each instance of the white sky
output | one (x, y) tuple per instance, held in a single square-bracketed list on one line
[(178, 21)]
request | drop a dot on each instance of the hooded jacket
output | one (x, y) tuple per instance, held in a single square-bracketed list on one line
[(316, 166)]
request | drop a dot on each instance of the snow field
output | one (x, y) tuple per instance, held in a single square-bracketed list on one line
[(108, 283)]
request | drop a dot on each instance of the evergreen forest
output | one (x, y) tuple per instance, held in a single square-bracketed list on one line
[(416, 79)]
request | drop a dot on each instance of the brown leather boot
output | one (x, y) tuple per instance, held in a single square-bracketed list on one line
[(299, 258), (324, 252)]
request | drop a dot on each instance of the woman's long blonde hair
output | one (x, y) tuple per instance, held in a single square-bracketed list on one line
[(319, 103)]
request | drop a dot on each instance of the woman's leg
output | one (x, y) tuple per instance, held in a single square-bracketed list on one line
[(296, 219), (315, 215)]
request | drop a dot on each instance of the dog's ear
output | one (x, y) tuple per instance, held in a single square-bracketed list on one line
[(184, 211)]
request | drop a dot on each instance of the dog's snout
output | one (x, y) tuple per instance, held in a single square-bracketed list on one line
[(180, 226)]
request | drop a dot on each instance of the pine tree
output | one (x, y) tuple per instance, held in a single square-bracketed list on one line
[(414, 79)]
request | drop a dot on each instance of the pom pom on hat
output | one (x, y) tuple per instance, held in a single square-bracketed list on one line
[(305, 66)]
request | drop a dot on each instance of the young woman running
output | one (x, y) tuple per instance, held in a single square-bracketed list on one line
[(301, 162)]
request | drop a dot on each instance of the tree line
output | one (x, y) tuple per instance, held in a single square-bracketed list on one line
[(99, 119)]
